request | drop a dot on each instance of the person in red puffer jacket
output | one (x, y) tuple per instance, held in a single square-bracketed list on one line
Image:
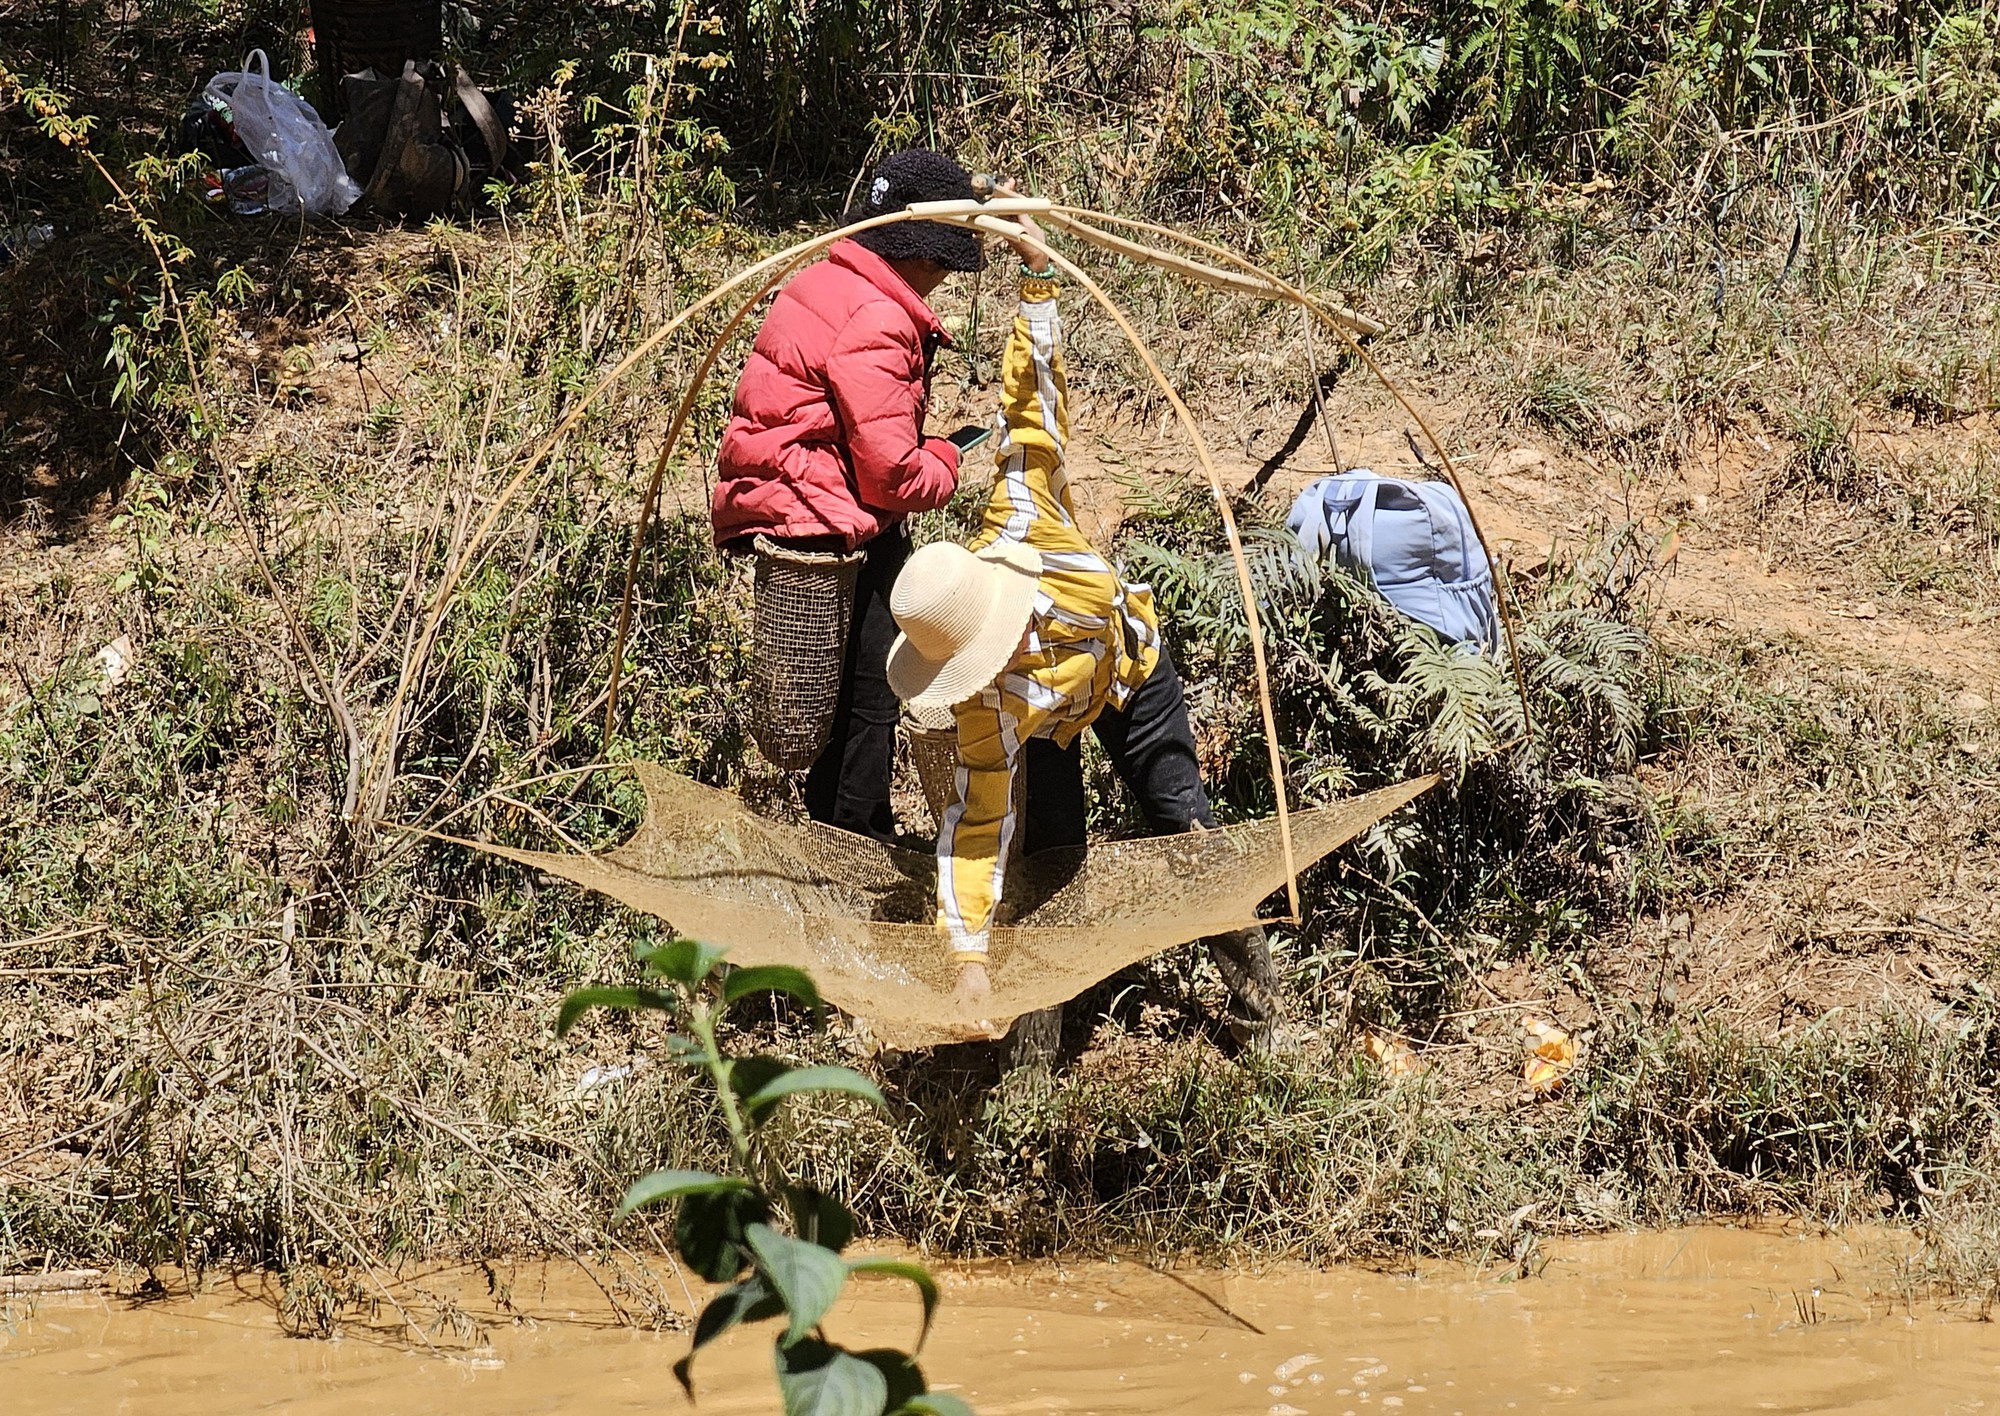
[(825, 448)]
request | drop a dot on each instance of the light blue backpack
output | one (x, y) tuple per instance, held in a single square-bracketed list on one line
[(1413, 541)]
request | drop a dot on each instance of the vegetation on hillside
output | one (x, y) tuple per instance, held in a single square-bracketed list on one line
[(308, 473)]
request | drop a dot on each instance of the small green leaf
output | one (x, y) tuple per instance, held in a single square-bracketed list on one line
[(813, 1079), (685, 1050), (933, 1403), (709, 1231), (806, 1276), (750, 1301), (630, 999), (904, 1378), (818, 1380), (682, 960), (771, 978), (914, 1273), (818, 1218), (750, 1075), (669, 1184)]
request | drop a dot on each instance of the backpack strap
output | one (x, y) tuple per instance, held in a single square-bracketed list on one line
[(1335, 513), (1360, 527), (484, 119), (1322, 513)]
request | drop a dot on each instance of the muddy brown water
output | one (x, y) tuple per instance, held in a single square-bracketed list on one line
[(1706, 1320)]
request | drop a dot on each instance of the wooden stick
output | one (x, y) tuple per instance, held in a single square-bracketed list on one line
[(1251, 281), (1339, 316), (57, 1281), (964, 212)]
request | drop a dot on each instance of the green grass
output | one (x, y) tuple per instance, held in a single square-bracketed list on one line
[(239, 1028)]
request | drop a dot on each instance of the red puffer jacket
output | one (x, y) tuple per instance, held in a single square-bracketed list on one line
[(827, 433)]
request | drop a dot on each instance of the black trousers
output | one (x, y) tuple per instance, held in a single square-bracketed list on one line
[(848, 785), (1151, 744)]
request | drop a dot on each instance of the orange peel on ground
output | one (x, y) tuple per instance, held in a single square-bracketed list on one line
[(1393, 1056), (1551, 1056)]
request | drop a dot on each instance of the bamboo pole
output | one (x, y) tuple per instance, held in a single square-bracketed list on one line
[(1338, 320), (441, 601), (1241, 284)]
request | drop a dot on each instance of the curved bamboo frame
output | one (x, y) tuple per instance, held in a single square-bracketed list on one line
[(1246, 279), (1346, 324), (983, 216), (475, 543)]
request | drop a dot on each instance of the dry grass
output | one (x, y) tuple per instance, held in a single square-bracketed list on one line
[(237, 1030)]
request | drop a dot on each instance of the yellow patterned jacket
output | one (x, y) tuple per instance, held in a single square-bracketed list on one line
[(1092, 638)]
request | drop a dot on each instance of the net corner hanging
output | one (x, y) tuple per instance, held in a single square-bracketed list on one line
[(858, 915)]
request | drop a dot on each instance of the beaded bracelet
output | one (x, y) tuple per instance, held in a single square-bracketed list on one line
[(1048, 272)]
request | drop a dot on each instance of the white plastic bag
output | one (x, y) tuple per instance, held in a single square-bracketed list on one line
[(284, 134)]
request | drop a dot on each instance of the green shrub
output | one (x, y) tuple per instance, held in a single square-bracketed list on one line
[(1530, 841)]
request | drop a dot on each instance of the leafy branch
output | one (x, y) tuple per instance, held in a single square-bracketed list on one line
[(724, 1227)]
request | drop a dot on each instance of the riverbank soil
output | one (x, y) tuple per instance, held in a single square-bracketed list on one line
[(314, 536)]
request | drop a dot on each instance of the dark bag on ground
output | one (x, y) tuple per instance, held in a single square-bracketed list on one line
[(422, 143), (206, 128)]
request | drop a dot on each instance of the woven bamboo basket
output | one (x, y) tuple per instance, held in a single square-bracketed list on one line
[(803, 603), (934, 753), (350, 35)]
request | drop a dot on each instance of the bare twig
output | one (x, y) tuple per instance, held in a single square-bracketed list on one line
[(35, 703), (1318, 391)]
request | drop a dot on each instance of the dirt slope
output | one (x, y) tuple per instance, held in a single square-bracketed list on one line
[(1850, 908)]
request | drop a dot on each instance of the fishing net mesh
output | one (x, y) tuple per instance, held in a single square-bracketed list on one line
[(803, 601), (858, 915)]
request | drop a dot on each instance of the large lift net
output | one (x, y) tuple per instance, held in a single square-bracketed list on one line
[(858, 915)]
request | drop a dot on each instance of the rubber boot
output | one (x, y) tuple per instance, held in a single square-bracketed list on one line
[(1243, 958), (1028, 1062)]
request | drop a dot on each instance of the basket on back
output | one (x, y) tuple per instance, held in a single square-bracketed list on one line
[(803, 601), (934, 753), (370, 34)]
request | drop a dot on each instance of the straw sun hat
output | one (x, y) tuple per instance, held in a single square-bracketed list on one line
[(961, 614)]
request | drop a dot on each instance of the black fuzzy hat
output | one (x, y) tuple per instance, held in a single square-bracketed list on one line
[(917, 176)]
